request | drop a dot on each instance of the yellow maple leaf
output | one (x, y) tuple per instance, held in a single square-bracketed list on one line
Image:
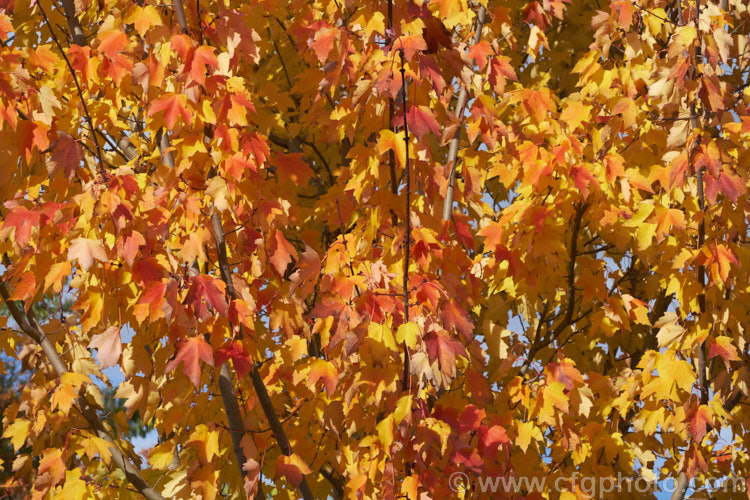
[(206, 442), (525, 432)]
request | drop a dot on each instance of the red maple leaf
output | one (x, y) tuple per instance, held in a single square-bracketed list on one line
[(117, 65), (444, 349), (112, 43), (728, 183), (147, 269), (470, 419), (23, 220), (205, 290), (239, 356), (173, 105), (699, 420), (490, 439), (480, 52), (151, 301), (410, 44), (435, 34), (428, 68), (280, 252), (293, 167), (420, 120), (129, 245), (582, 177), (67, 155), (695, 462), (202, 57), (322, 43), (722, 347), (189, 352), (455, 317)]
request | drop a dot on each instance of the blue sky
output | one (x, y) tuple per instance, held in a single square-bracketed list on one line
[(116, 377)]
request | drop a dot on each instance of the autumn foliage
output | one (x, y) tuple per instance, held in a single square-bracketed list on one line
[(347, 248)]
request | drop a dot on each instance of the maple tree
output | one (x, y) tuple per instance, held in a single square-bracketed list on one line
[(363, 245)]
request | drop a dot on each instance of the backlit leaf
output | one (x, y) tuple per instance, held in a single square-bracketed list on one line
[(189, 352)]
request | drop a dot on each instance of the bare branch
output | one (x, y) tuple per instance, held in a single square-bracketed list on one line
[(700, 362), (542, 341)]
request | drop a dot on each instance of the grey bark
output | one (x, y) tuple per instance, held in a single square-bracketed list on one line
[(460, 103)]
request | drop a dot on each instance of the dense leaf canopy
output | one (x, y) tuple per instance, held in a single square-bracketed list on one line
[(349, 248)]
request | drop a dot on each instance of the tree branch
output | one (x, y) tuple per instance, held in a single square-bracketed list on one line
[(540, 342), (460, 103), (76, 31), (700, 362), (391, 154), (259, 385), (572, 270), (180, 14), (87, 116), (31, 328), (407, 242)]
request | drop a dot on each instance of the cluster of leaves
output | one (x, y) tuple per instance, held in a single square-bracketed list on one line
[(543, 273), (9, 381), (15, 376)]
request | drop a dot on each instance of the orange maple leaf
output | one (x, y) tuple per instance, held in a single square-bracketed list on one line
[(189, 352), (280, 251), (173, 105)]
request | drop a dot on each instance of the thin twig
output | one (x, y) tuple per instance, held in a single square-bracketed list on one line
[(635, 4), (407, 242), (346, 250), (391, 154), (90, 122), (322, 159)]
